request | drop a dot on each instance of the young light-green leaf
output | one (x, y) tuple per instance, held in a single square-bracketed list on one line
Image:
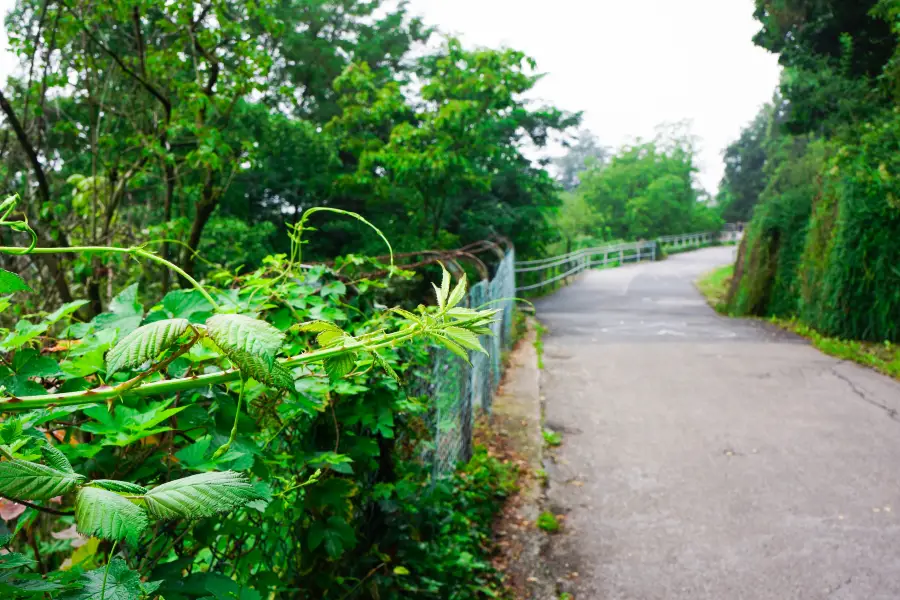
[(24, 480), (451, 346), (10, 283), (340, 365), (445, 286), (464, 338), (201, 495), (239, 333), (108, 515), (458, 293), (144, 343)]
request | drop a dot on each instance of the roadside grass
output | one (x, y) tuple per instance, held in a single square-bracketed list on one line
[(714, 285), (883, 357)]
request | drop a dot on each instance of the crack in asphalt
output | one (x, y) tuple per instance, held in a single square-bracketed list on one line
[(890, 412)]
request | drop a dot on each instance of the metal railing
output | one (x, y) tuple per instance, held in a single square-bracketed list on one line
[(536, 274), (570, 264)]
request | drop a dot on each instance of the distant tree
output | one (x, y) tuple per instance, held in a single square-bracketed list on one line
[(745, 161), (582, 154)]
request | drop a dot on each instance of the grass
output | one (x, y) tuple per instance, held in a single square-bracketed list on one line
[(552, 438), (548, 522), (714, 285), (883, 357), (540, 330)]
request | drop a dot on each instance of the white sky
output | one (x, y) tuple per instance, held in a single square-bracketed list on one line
[(628, 64), (632, 64)]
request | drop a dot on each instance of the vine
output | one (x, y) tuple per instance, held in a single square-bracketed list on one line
[(244, 348)]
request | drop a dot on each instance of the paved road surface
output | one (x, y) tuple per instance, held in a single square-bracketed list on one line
[(709, 458)]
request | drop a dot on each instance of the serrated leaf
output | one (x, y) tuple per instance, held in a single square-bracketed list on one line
[(239, 333), (10, 283), (144, 343), (445, 286), (379, 360), (24, 480), (109, 582), (329, 338), (108, 515), (14, 560), (56, 459), (464, 338), (338, 366), (253, 366), (458, 293), (318, 327), (201, 495), (440, 298), (451, 346), (122, 487)]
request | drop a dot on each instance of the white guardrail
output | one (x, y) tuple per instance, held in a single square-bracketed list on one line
[(556, 268)]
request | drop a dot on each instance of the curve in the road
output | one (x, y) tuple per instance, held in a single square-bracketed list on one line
[(711, 458)]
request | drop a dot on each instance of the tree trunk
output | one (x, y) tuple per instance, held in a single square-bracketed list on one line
[(205, 209)]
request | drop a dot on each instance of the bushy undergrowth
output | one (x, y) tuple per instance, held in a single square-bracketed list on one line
[(822, 246), (250, 438)]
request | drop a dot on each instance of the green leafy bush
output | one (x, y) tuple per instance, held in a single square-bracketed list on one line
[(246, 438)]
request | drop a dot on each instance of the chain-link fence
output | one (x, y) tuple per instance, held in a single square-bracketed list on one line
[(458, 391)]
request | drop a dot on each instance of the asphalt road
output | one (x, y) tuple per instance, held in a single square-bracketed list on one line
[(712, 458)]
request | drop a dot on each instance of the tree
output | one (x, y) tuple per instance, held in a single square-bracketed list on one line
[(745, 162), (582, 154), (647, 190)]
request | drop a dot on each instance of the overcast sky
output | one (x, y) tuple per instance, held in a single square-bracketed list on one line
[(628, 64), (632, 64)]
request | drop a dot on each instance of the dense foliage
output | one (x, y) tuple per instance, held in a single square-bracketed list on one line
[(643, 191), (252, 437), (822, 245), (213, 126)]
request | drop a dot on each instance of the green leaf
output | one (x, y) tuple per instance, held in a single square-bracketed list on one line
[(56, 459), (114, 581), (253, 366), (319, 327), (336, 534), (450, 345), (64, 311), (144, 343), (381, 362), (464, 338), (14, 560), (38, 366), (10, 283), (181, 304), (122, 487), (24, 480), (239, 333), (202, 495), (445, 286), (128, 425), (440, 298), (338, 366), (333, 288), (108, 515), (125, 312), (459, 292)]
